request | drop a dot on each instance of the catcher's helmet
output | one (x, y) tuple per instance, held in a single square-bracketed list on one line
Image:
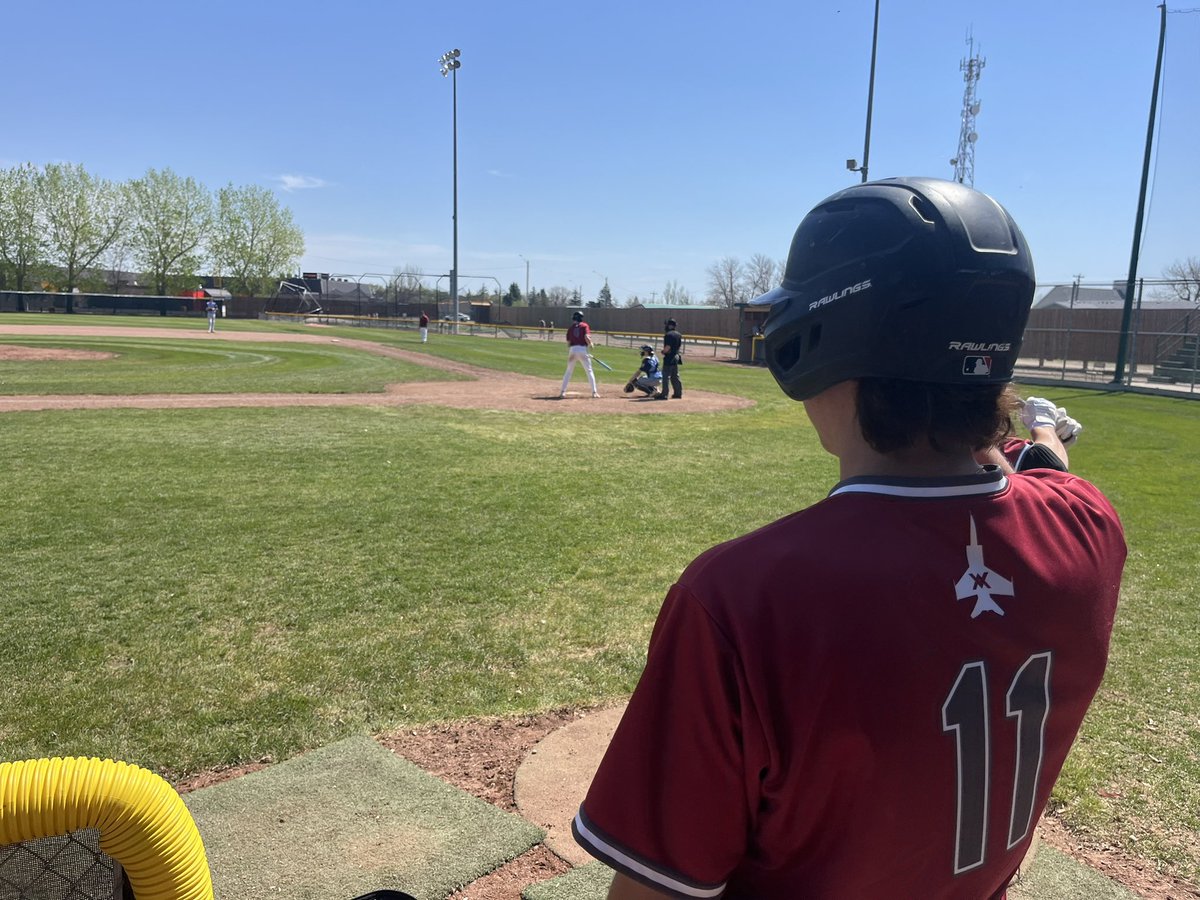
[(913, 278), (576, 317), (646, 348)]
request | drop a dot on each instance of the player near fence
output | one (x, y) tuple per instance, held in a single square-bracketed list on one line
[(423, 326), (873, 697), (648, 377), (210, 310), (579, 342)]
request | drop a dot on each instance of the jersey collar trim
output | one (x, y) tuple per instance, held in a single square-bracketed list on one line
[(990, 481)]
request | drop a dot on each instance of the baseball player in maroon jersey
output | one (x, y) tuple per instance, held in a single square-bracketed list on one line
[(872, 697), (579, 342)]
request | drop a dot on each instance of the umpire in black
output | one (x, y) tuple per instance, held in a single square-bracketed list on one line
[(672, 358)]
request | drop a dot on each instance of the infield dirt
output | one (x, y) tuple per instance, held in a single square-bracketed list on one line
[(487, 389)]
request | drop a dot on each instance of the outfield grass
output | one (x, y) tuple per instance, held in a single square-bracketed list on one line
[(193, 588)]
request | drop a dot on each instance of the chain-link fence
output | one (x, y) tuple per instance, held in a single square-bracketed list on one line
[(63, 867)]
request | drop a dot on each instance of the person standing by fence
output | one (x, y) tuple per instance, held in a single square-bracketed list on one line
[(423, 325)]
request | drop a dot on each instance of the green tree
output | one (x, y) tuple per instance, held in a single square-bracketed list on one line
[(604, 299), (254, 239), (513, 297), (171, 218), (22, 241), (83, 216)]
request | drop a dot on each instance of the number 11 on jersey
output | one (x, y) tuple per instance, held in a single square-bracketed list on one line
[(965, 713)]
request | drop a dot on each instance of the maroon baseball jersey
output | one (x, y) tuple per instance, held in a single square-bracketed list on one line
[(870, 698), (577, 334)]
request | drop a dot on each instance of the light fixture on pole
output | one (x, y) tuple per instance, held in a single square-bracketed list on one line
[(527, 303), (450, 64)]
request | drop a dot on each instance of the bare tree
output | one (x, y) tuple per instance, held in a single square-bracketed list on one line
[(559, 296), (22, 241), (725, 283), (675, 294), (1184, 280), (407, 281), (762, 274)]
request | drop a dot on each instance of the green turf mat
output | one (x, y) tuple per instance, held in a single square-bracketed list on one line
[(1055, 876), (346, 819), (588, 882)]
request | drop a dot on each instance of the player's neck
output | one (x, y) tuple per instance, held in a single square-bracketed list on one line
[(832, 413), (862, 461)]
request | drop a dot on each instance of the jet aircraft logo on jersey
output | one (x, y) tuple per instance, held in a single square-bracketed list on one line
[(981, 582)]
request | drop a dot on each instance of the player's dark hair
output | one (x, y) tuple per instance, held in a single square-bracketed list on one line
[(894, 414)]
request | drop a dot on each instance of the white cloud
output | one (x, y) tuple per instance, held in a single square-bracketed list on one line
[(300, 182), (496, 173)]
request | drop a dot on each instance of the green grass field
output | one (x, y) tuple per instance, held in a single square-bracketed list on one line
[(197, 588)]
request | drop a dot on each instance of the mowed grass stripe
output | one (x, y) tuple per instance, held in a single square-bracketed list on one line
[(156, 366)]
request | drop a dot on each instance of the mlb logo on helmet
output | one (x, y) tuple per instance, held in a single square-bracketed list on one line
[(977, 365)]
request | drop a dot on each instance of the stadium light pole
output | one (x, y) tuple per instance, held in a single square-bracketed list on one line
[(850, 163), (526, 279), (450, 64), (1127, 309)]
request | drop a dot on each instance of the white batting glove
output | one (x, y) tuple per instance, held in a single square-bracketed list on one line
[(1038, 412), (1067, 429)]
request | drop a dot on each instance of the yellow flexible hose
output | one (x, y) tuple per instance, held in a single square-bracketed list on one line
[(143, 824)]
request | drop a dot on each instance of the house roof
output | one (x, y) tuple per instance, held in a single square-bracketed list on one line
[(665, 306), (1068, 296)]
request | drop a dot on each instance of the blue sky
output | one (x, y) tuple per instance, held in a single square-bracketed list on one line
[(638, 142)]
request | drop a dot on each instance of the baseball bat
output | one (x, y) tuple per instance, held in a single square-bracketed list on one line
[(600, 362)]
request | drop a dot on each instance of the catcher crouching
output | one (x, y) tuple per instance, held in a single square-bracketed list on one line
[(648, 377)]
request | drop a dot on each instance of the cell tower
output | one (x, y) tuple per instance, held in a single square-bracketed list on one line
[(964, 160)]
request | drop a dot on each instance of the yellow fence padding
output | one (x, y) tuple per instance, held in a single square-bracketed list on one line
[(143, 824)]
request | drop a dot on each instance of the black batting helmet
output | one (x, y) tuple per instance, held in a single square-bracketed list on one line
[(577, 316), (912, 278), (646, 348)]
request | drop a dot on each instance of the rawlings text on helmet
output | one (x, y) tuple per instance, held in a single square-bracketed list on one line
[(829, 298), (1002, 346)]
